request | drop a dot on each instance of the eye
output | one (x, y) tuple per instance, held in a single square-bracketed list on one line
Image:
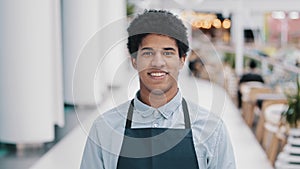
[(147, 53), (167, 53)]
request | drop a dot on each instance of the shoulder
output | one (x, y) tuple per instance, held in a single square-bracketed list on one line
[(114, 116), (245, 77), (204, 122), (199, 113), (107, 130)]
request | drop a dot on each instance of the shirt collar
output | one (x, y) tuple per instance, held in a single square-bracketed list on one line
[(166, 110)]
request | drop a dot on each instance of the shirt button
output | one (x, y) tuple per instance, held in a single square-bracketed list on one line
[(155, 125)]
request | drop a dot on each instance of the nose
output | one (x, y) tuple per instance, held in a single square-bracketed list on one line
[(158, 60)]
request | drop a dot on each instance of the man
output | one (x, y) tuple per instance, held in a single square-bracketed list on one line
[(251, 76), (196, 66), (158, 128)]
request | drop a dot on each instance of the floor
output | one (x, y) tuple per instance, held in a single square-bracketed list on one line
[(65, 152), (13, 157)]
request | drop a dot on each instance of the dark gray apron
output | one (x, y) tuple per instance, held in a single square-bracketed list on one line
[(158, 148)]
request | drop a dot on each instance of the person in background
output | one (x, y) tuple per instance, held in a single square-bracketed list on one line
[(196, 65), (158, 128), (251, 76)]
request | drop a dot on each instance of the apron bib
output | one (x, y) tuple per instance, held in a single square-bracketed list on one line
[(158, 148)]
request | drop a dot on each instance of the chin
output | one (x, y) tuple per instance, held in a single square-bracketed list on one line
[(158, 91)]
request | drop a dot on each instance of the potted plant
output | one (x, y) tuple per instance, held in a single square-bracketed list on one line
[(292, 114)]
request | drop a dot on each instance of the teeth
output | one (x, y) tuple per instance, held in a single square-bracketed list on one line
[(157, 74)]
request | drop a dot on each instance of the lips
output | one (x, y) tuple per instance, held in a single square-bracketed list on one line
[(158, 74)]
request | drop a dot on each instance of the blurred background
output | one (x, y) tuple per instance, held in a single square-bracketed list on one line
[(64, 62)]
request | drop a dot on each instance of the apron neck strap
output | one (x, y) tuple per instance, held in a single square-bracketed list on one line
[(187, 121), (186, 113), (129, 115)]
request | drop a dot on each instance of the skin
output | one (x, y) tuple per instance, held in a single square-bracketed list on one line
[(158, 65)]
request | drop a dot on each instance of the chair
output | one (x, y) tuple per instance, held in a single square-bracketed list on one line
[(249, 105), (259, 131), (289, 158), (277, 143), (245, 89), (272, 118)]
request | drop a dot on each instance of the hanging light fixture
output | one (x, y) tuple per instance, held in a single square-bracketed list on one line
[(278, 15), (226, 24), (189, 3), (294, 15), (217, 23)]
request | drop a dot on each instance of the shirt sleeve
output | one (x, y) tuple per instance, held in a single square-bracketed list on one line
[(92, 155), (223, 155)]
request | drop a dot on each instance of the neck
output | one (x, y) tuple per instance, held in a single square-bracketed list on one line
[(156, 99)]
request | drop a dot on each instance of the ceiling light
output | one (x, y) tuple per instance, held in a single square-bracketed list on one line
[(217, 23), (226, 24), (294, 15), (278, 15)]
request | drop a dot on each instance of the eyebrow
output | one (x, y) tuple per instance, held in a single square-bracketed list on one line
[(146, 48), (169, 48)]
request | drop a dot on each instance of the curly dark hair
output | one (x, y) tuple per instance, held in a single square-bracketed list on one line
[(157, 22)]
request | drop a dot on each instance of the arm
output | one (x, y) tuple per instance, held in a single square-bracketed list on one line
[(92, 155), (223, 155)]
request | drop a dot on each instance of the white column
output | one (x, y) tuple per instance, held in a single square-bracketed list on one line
[(81, 21), (113, 39), (59, 115), (238, 36), (284, 32), (28, 87)]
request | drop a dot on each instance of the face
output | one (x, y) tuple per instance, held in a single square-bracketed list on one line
[(158, 64)]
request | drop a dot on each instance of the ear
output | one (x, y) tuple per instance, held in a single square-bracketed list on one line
[(133, 62), (182, 60)]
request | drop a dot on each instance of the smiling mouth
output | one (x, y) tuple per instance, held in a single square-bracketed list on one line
[(158, 75)]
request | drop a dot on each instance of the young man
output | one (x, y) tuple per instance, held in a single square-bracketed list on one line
[(158, 129), (251, 76)]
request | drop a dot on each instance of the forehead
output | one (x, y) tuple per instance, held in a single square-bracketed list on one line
[(158, 41)]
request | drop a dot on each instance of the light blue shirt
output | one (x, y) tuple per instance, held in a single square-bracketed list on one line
[(212, 144)]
